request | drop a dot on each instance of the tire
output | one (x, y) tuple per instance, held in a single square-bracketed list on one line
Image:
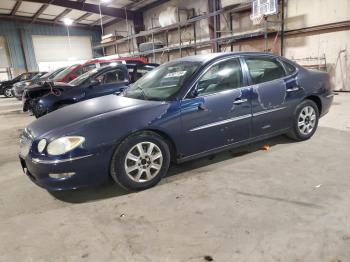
[(127, 154), (305, 121), (37, 114), (8, 92)]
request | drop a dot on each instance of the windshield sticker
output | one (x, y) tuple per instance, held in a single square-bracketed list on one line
[(175, 74)]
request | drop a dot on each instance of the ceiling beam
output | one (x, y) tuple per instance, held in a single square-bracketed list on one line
[(105, 21), (151, 5), (61, 15), (16, 7), (39, 12), (83, 17), (91, 8), (23, 19), (116, 20)]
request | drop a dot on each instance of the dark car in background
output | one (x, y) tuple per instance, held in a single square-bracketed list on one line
[(6, 86), (185, 109), (97, 82), (18, 88), (76, 70)]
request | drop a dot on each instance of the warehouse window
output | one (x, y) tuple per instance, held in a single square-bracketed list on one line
[(263, 69)]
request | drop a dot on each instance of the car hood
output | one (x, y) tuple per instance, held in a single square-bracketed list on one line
[(22, 83), (6, 82), (47, 85), (71, 115)]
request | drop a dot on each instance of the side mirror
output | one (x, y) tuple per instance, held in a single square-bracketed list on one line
[(94, 82)]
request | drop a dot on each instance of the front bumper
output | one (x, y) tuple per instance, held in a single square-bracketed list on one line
[(17, 92), (89, 170)]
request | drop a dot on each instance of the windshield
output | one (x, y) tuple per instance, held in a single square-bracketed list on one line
[(80, 79), (64, 73), (38, 75), (46, 75), (163, 82)]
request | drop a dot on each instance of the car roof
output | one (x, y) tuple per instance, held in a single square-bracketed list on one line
[(203, 58)]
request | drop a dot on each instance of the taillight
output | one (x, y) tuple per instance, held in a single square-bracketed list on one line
[(329, 85)]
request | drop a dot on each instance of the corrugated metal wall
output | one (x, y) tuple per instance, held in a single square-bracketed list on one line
[(11, 31)]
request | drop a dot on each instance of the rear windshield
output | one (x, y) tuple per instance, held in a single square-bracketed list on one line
[(64, 73)]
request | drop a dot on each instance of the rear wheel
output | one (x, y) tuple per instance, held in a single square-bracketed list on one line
[(140, 161), (8, 92), (305, 121)]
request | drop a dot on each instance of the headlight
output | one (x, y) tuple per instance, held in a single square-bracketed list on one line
[(64, 144), (41, 145)]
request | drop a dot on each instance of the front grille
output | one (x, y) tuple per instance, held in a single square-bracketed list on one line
[(25, 141)]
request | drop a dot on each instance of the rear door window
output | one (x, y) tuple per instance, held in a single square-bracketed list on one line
[(264, 69), (290, 69), (112, 76)]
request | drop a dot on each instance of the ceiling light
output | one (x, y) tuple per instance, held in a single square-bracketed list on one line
[(67, 21), (105, 1)]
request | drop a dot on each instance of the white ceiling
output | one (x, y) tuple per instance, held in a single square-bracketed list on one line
[(29, 9)]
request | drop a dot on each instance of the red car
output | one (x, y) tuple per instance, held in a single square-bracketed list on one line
[(76, 70)]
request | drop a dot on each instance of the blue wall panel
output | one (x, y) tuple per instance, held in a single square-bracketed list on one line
[(11, 31)]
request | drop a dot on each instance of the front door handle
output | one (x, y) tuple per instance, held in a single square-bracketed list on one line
[(202, 106), (294, 89), (240, 101)]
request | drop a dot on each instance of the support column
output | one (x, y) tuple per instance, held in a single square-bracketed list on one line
[(23, 49), (214, 24)]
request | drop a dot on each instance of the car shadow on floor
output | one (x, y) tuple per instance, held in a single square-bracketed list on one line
[(90, 194), (111, 190), (264, 145)]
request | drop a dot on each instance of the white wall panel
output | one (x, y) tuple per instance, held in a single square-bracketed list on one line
[(302, 13), (4, 57)]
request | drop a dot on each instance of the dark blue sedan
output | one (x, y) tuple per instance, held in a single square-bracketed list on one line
[(185, 109)]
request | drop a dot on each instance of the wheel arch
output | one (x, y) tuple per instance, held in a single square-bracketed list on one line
[(317, 101), (168, 139)]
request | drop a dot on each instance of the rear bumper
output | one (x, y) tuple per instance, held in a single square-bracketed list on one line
[(89, 170), (327, 101)]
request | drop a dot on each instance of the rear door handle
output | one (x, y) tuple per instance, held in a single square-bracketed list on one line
[(240, 101)]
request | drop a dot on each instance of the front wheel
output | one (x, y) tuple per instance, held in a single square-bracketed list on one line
[(140, 161), (8, 92), (305, 121)]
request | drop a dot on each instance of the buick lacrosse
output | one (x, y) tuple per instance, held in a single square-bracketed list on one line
[(185, 109)]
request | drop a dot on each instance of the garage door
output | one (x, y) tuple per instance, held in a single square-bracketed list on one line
[(58, 48)]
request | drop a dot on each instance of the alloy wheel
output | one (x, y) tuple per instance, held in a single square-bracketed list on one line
[(307, 120), (8, 92), (143, 162)]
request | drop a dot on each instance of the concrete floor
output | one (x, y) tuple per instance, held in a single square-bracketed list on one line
[(290, 203)]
